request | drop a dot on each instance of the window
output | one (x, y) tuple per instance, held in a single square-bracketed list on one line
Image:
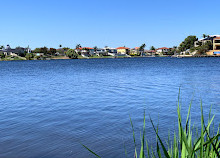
[(217, 41), (217, 47)]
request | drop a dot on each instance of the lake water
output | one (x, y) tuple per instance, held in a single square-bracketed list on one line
[(47, 108)]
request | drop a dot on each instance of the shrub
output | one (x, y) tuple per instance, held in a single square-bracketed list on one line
[(29, 56), (72, 54)]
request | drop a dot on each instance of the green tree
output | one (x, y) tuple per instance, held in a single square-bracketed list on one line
[(37, 50), (18, 47), (95, 48), (174, 50), (187, 43), (78, 46), (72, 54), (66, 48), (29, 56), (52, 51), (171, 51), (41, 50), (141, 49), (20, 51), (152, 48), (201, 50), (2, 55), (44, 50), (204, 35)]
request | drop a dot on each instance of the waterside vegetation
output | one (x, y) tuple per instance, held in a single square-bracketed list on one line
[(186, 143)]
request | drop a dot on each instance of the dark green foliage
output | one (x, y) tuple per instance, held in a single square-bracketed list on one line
[(66, 48), (72, 54), (201, 50), (141, 49), (192, 49), (41, 50), (152, 48), (187, 43), (78, 46), (95, 48), (2, 55), (52, 51), (29, 56), (171, 51)]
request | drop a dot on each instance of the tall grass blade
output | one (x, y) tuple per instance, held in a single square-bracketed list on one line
[(142, 141), (91, 151), (135, 146), (148, 149), (126, 154), (202, 134), (203, 123), (158, 151), (161, 143)]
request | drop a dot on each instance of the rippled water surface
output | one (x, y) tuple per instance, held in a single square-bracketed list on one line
[(48, 107)]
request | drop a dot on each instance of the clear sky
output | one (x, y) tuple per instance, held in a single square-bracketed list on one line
[(106, 22)]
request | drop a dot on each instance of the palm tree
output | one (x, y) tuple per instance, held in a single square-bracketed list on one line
[(174, 49), (204, 36), (142, 48), (95, 48), (78, 46)]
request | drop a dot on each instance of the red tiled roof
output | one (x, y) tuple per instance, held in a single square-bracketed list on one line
[(163, 48), (217, 38), (85, 48), (150, 50), (88, 48), (122, 48)]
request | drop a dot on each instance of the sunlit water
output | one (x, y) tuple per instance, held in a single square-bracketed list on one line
[(47, 108)]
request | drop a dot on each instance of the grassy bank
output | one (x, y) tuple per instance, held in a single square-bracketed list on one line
[(186, 143), (11, 58)]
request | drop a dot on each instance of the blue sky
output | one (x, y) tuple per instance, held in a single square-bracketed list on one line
[(106, 22)]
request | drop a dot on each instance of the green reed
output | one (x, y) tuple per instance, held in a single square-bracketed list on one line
[(183, 144)]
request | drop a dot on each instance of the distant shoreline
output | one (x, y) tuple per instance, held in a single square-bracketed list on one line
[(111, 57)]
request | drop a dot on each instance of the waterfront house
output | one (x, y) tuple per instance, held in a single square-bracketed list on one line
[(216, 47), (110, 51), (216, 44), (163, 50), (150, 52), (135, 51), (202, 41), (78, 50), (85, 51), (214, 40), (101, 51), (15, 52), (123, 50)]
